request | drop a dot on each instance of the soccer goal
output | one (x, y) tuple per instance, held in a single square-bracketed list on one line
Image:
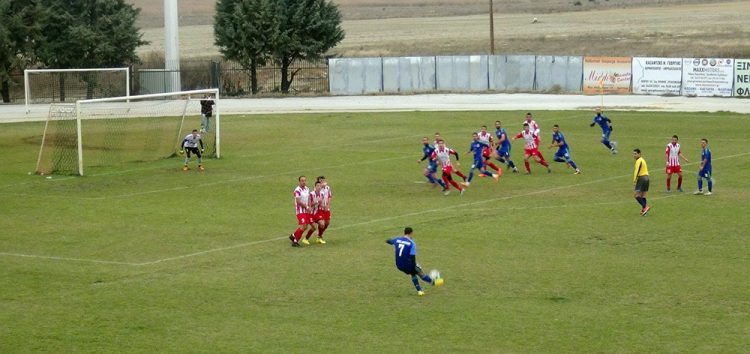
[(118, 133), (70, 85)]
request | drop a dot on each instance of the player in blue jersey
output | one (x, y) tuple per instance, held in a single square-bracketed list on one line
[(705, 169), (406, 260), (563, 150), (477, 148), (503, 146), (431, 168), (606, 125)]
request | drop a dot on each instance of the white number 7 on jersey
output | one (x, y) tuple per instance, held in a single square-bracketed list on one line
[(400, 249)]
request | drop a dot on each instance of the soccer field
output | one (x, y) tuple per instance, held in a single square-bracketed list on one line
[(144, 257)]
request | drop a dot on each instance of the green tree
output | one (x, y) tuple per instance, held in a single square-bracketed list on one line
[(89, 34), (305, 30), (19, 32), (243, 31)]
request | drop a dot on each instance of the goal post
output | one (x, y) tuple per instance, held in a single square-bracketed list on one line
[(108, 134), (69, 85)]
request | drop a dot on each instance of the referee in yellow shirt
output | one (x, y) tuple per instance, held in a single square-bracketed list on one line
[(640, 180)]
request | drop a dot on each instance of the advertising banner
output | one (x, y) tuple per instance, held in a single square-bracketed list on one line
[(657, 76), (742, 77), (606, 75), (707, 76)]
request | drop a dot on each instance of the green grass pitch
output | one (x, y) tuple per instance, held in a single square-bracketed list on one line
[(143, 257)]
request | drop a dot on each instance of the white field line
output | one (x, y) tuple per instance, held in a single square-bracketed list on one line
[(65, 259), (246, 244)]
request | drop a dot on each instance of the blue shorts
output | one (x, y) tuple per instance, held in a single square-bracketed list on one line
[(605, 134), (562, 154), (411, 269), (478, 163), (503, 153), (704, 174), (432, 166)]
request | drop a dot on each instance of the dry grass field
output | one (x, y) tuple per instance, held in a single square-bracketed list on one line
[(673, 29)]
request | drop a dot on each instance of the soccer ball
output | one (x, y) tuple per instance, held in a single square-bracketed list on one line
[(434, 274)]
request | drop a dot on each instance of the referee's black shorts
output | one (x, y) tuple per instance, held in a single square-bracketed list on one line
[(194, 150), (641, 184)]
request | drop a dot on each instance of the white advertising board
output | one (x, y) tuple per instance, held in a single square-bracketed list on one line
[(657, 76), (707, 76), (742, 77)]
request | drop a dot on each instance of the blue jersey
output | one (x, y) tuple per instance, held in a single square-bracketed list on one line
[(427, 149), (406, 253), (476, 147), (706, 155), (505, 145), (603, 122), (558, 138)]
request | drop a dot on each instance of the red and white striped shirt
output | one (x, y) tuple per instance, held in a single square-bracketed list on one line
[(485, 138), (443, 155), (315, 201), (530, 138), (301, 194), (326, 195), (673, 154), (533, 126)]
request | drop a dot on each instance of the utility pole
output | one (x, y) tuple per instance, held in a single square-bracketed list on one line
[(492, 30)]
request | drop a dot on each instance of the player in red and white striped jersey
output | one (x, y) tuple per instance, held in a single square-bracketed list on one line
[(485, 138), (533, 126), (442, 156), (303, 209), (672, 154), (456, 170), (323, 214), (318, 202), (531, 148)]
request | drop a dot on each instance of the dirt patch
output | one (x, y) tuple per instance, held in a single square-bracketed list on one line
[(717, 29)]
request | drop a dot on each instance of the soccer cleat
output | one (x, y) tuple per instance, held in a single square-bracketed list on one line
[(645, 210), (577, 172), (669, 190), (680, 190), (305, 242), (185, 168), (465, 184), (295, 244), (446, 191), (707, 193), (439, 282), (496, 177), (291, 237), (515, 170), (320, 240), (698, 192), (420, 293), (201, 168), (462, 191)]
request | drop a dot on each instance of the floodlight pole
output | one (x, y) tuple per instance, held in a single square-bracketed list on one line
[(172, 46), (492, 29)]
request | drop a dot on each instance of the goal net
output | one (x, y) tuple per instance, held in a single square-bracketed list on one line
[(70, 85), (108, 134)]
